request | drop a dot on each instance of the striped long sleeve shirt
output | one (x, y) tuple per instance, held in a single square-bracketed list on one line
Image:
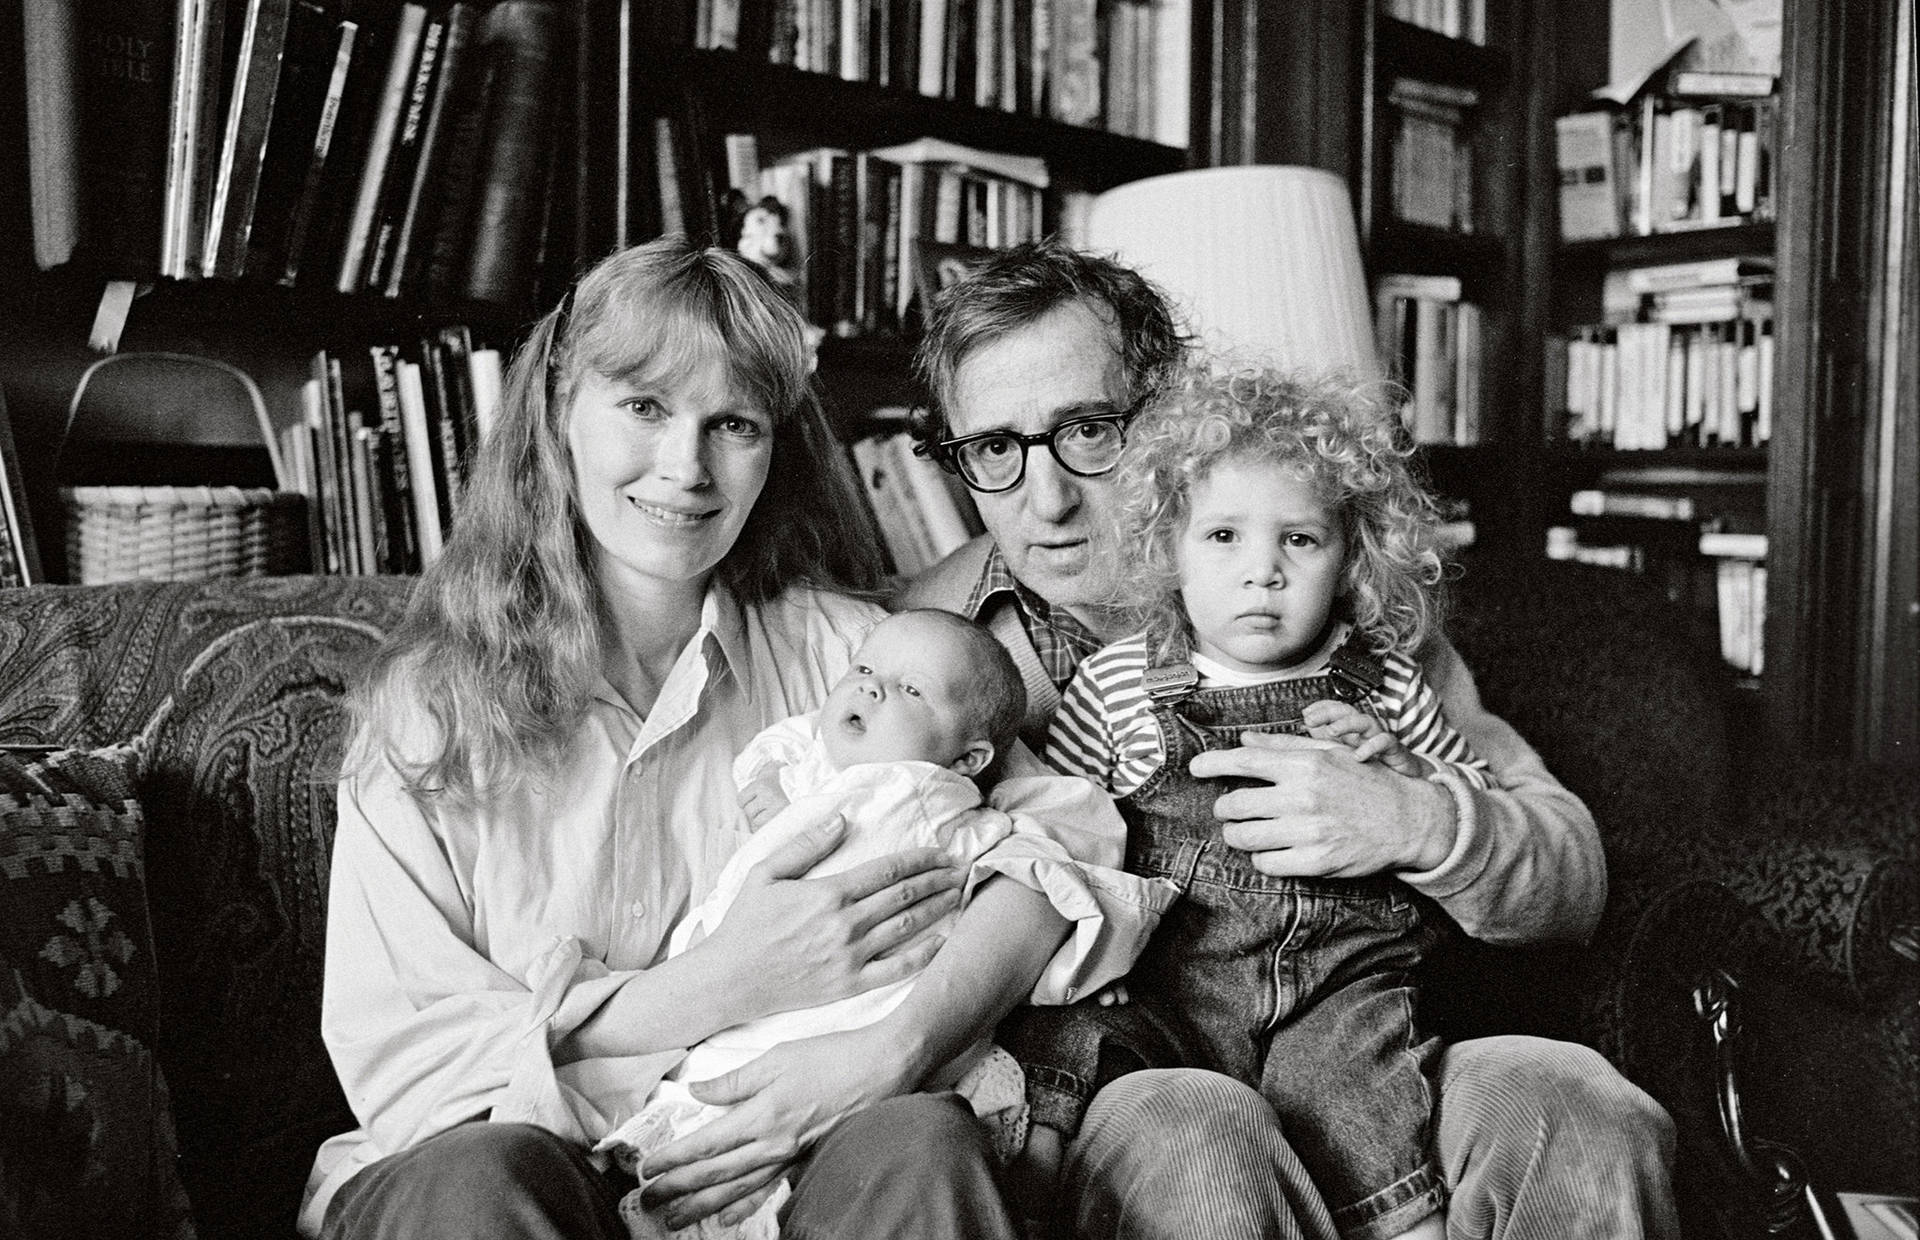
[(1105, 729)]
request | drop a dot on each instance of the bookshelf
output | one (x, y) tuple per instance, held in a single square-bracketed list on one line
[(1440, 176), (588, 124)]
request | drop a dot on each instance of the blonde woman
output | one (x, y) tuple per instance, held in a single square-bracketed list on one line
[(649, 568)]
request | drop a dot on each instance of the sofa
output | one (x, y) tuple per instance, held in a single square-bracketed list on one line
[(166, 812)]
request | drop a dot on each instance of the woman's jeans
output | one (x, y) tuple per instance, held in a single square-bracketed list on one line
[(918, 1165)]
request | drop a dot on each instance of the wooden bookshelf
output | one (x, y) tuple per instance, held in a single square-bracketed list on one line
[(563, 60)]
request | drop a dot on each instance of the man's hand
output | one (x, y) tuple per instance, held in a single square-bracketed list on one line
[(1370, 740), (1322, 813), (782, 1103), (762, 797)]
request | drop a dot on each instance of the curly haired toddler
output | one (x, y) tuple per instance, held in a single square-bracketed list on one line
[(1279, 563)]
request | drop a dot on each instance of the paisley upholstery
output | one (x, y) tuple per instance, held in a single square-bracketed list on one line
[(227, 694), (230, 695)]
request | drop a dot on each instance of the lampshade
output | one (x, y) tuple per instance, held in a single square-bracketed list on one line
[(1260, 261)]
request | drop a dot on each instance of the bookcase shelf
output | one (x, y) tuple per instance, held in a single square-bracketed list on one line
[(1403, 48), (1579, 259), (1477, 258)]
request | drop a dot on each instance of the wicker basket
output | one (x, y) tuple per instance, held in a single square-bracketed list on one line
[(181, 533), (174, 533)]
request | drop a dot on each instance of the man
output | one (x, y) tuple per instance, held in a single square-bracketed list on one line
[(1537, 1138)]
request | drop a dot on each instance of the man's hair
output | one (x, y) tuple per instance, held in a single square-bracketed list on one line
[(994, 694), (1344, 435), (1017, 286), (500, 647)]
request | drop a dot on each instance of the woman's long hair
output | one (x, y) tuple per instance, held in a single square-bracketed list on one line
[(490, 670)]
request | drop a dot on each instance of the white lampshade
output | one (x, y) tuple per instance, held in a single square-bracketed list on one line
[(1262, 262)]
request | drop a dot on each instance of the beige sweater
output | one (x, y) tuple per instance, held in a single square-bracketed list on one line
[(1526, 865)]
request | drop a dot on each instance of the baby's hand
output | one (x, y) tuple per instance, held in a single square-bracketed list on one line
[(1329, 720), (1035, 1173), (762, 797)]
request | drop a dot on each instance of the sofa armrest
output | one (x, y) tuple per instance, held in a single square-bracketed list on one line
[(1847, 915)]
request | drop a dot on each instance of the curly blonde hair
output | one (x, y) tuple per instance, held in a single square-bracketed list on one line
[(1346, 437), (487, 675)]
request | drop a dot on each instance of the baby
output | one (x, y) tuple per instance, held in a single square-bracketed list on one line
[(902, 749)]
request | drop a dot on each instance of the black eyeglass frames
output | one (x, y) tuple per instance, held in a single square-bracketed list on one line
[(995, 461)]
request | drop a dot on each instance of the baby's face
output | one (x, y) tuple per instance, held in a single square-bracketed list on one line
[(901, 699)]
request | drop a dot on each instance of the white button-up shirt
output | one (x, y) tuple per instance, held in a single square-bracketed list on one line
[(463, 945)]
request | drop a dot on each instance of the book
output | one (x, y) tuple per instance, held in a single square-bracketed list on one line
[(52, 89), (1706, 84), (395, 467), (125, 91), (243, 142), (1026, 169), (420, 210), (520, 40), (1731, 545), (402, 55), (313, 180), (307, 56), (1589, 190), (193, 95), (429, 497), (1596, 503), (488, 384), (403, 161)]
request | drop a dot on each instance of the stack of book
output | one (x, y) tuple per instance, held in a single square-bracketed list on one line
[(1685, 357), (403, 149), (1457, 19), (1697, 152), (921, 511), (1119, 65), (1430, 343), (864, 227), (1431, 177), (382, 449)]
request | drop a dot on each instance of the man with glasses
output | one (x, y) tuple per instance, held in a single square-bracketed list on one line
[(1035, 363)]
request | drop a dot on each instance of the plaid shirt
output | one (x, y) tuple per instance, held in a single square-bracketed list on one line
[(1060, 639)]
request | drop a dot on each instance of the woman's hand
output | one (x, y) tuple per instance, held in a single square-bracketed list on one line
[(782, 1103), (790, 942)]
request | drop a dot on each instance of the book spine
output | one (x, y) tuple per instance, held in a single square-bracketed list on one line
[(243, 145), (53, 100), (126, 74), (429, 504), (312, 184), (397, 473), (396, 190), (401, 60), (522, 37), (418, 214)]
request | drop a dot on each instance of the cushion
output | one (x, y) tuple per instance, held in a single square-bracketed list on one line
[(86, 1137)]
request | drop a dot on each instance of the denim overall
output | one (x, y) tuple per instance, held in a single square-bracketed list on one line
[(1297, 987)]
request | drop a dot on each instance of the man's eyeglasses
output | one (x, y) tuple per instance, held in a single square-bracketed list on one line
[(997, 460)]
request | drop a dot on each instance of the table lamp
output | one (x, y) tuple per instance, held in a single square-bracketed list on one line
[(1261, 261)]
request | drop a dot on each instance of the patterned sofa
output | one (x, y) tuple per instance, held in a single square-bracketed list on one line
[(162, 899)]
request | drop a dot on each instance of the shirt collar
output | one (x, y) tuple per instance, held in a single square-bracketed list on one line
[(723, 627)]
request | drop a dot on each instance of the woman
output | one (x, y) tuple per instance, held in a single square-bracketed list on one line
[(538, 786)]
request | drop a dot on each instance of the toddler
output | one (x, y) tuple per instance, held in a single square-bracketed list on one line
[(1279, 561), (901, 749)]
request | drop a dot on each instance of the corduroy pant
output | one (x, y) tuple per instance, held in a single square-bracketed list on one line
[(1538, 1140)]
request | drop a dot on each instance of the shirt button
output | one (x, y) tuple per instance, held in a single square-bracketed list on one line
[(637, 910)]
